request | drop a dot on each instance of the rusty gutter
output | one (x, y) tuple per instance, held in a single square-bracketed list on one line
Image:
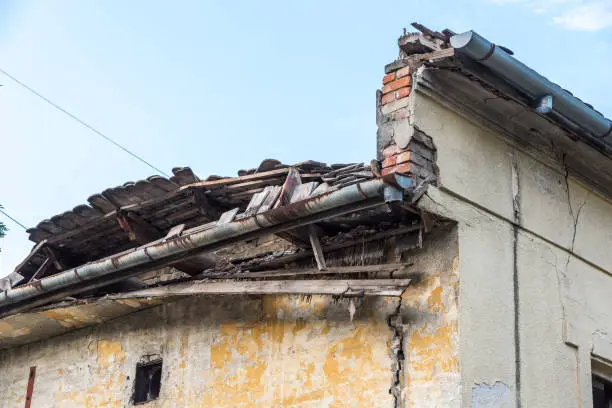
[(161, 253)]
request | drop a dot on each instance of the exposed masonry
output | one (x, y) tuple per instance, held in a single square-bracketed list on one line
[(401, 147), (397, 355)]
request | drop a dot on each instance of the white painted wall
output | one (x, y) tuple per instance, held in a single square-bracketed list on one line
[(562, 264)]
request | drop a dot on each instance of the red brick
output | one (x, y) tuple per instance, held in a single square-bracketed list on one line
[(402, 157), (386, 171), (388, 162), (400, 93), (397, 84), (390, 97), (403, 168), (402, 72), (388, 78), (391, 151)]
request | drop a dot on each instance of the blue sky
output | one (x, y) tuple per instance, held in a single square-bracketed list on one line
[(219, 86)]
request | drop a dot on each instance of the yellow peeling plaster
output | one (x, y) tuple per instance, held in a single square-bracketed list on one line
[(269, 351), (431, 345), (107, 389), (291, 363)]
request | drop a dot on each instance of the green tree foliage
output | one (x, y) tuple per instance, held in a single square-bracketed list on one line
[(3, 228)]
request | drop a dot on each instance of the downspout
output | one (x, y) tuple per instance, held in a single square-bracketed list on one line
[(121, 266), (565, 107)]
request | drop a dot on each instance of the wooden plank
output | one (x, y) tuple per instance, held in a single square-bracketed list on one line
[(256, 202), (175, 231), (41, 269), (203, 203), (236, 180), (249, 185), (30, 389), (270, 200), (303, 191), (54, 258), (228, 216), (292, 181), (361, 287), (276, 263), (350, 167), (316, 247), (331, 270), (242, 195)]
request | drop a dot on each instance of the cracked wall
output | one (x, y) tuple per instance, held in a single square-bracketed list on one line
[(430, 307), (536, 269), (265, 351)]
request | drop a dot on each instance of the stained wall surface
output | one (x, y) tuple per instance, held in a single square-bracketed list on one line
[(535, 265), (264, 351)]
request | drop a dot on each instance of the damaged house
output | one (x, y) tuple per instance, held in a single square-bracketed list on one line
[(468, 265)]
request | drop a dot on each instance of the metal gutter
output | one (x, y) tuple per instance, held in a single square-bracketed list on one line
[(565, 107), (156, 254)]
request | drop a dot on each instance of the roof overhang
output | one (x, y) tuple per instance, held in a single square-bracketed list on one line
[(483, 98)]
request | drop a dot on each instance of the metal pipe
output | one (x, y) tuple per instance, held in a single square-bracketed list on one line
[(534, 85), (121, 266)]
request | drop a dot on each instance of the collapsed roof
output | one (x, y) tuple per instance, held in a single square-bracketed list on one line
[(181, 221), (100, 250)]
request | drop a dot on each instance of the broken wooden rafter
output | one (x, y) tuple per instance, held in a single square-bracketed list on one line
[(204, 205), (279, 262), (330, 270), (361, 287), (143, 233), (316, 248), (41, 269)]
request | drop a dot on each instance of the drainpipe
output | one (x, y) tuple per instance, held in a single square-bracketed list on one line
[(564, 105), (156, 254)]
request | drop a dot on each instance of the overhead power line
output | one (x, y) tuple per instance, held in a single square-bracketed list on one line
[(88, 126), (13, 219)]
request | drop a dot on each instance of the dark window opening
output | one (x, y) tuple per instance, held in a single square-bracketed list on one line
[(602, 393), (148, 381)]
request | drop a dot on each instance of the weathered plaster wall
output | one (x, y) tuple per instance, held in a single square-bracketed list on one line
[(226, 352), (265, 351), (535, 266), (431, 321)]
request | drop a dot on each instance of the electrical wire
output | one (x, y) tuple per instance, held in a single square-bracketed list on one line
[(88, 126), (13, 219)]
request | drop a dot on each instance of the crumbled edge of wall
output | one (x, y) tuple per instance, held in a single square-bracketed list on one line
[(401, 147)]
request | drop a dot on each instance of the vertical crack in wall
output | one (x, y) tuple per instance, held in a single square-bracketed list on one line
[(397, 354), (575, 216), (516, 206)]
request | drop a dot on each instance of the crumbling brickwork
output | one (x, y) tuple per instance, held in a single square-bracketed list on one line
[(401, 147)]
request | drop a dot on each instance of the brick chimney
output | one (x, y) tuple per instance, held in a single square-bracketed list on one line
[(401, 147)]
